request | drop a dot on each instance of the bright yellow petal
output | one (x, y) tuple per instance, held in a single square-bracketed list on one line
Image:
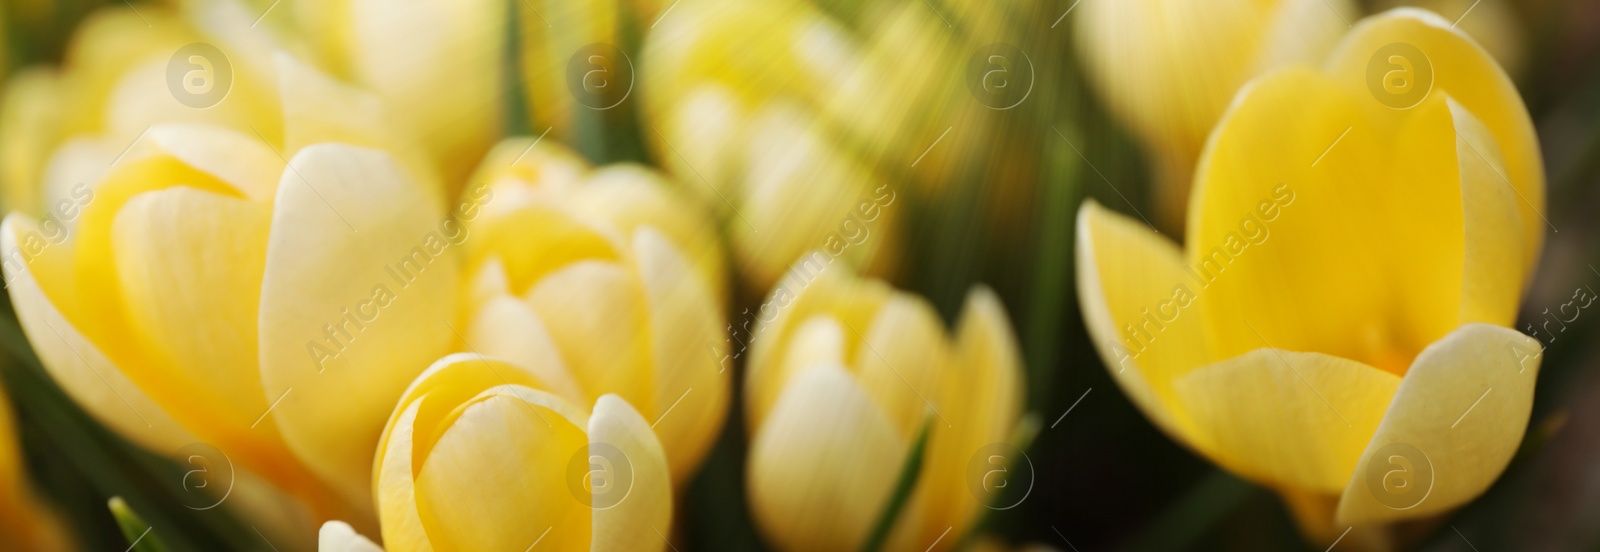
[(502, 464), (1141, 308), (823, 463), (639, 519), (685, 321), (1287, 418), (1471, 77), (632, 196), (355, 301), (1456, 420), (1273, 198)]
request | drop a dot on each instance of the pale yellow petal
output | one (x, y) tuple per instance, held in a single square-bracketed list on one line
[(438, 64), (902, 356), (1141, 309), (598, 321), (823, 463), (983, 399), (338, 536), (355, 301), (1456, 420), (691, 385), (639, 519), (1287, 418), (508, 329), (816, 285), (497, 479), (1493, 278), (240, 160)]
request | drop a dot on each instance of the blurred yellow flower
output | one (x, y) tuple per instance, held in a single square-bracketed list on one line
[(26, 522), (478, 456), (1338, 326), (437, 64), (60, 127), (601, 281), (269, 300), (843, 376), (1169, 68)]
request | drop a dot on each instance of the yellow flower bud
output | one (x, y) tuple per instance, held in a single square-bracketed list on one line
[(1169, 68), (478, 456), (844, 374), (1359, 240), (27, 523), (602, 282), (269, 301)]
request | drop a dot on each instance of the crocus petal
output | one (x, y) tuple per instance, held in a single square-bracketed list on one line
[(74, 361), (815, 285), (982, 400), (352, 301), (240, 160), (691, 385), (170, 243), (1455, 422), (1471, 77), (1495, 250), (601, 330), (497, 465), (1287, 418), (1126, 269), (396, 487), (900, 359), (824, 439), (338, 536), (643, 516), (438, 65), (507, 328)]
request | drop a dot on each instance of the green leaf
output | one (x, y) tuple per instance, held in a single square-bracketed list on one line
[(140, 536), (902, 490)]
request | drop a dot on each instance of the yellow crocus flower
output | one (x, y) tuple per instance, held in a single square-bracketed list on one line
[(27, 522), (844, 374), (1168, 68), (270, 300), (1337, 326), (479, 456), (601, 281)]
